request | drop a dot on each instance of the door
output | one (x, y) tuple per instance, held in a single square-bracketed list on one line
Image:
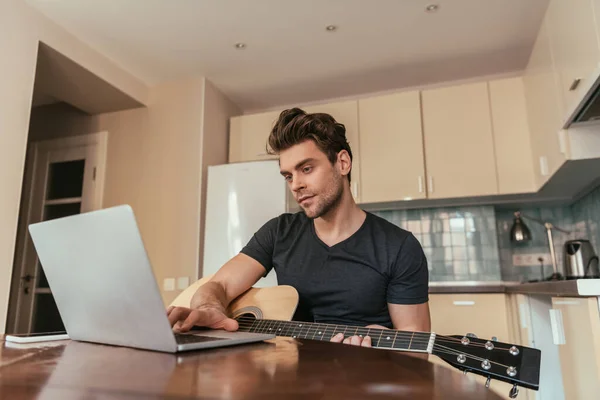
[(459, 148), (64, 181), (576, 329), (392, 165)]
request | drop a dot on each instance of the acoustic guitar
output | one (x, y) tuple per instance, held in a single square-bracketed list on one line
[(270, 310)]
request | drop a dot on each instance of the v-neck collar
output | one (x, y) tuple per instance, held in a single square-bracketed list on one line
[(325, 245)]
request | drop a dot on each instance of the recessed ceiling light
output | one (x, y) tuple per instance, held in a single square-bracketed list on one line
[(432, 8), (240, 46), (331, 28)]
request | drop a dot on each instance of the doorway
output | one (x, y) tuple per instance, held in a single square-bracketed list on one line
[(63, 177)]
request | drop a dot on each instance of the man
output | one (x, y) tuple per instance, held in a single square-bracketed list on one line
[(349, 267)]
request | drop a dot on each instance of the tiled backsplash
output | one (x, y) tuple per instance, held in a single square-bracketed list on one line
[(581, 218), (473, 243), (460, 243)]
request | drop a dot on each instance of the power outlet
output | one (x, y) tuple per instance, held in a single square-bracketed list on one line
[(169, 284), (531, 259)]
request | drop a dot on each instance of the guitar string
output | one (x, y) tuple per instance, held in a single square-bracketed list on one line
[(403, 335), (438, 347)]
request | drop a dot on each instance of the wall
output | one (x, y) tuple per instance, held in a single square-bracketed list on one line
[(156, 162), (460, 243), (21, 29), (215, 147)]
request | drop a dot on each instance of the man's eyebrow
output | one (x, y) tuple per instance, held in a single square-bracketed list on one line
[(298, 165)]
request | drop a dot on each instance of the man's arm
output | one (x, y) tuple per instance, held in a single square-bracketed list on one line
[(209, 304), (411, 317)]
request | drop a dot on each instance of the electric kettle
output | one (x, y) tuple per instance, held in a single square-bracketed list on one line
[(580, 260)]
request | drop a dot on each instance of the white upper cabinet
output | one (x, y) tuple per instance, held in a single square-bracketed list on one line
[(248, 136), (391, 148), (574, 41), (459, 148), (542, 95), (511, 136)]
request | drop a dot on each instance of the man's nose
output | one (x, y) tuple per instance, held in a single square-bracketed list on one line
[(297, 184)]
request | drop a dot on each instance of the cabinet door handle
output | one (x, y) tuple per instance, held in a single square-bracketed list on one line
[(431, 184), (556, 323), (463, 303), (420, 184), (574, 84)]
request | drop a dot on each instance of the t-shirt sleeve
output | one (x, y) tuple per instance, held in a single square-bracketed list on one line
[(409, 282), (262, 244)]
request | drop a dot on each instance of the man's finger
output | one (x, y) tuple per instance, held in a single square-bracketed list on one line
[(355, 340), (171, 308), (178, 314), (230, 325), (193, 317), (337, 338), (347, 340), (366, 341)]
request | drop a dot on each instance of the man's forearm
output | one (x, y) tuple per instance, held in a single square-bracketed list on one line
[(210, 294)]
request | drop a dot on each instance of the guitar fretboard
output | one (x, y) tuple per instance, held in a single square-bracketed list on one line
[(380, 338)]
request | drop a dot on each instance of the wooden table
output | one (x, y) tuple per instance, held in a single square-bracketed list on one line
[(279, 369)]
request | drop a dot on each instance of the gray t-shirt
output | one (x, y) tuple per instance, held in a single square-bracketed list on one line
[(351, 282)]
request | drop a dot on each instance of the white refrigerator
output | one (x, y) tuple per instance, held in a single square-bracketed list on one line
[(240, 198)]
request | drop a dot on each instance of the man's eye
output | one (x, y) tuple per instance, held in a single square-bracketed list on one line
[(288, 178), (306, 170)]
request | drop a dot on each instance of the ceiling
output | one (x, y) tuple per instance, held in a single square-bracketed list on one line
[(290, 57)]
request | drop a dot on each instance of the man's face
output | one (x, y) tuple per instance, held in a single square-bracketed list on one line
[(316, 185)]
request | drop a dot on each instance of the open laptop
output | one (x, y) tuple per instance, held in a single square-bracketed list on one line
[(104, 287)]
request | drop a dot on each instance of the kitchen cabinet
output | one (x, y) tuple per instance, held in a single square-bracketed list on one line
[(486, 315), (248, 136), (574, 41), (346, 112), (576, 328), (391, 148), (512, 143), (543, 109), (459, 148)]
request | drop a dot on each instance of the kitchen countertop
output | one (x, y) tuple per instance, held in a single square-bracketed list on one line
[(579, 287)]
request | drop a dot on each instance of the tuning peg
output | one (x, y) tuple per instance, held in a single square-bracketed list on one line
[(514, 392), (472, 335), (465, 371), (494, 339), (487, 382)]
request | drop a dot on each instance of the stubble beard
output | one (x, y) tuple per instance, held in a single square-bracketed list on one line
[(328, 200)]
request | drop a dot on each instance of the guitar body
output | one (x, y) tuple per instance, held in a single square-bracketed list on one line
[(276, 303)]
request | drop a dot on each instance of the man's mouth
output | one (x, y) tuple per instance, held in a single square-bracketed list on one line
[(302, 199)]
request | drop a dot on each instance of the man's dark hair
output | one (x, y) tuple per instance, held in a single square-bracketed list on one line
[(295, 126)]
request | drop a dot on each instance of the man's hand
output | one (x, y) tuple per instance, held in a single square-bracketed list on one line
[(182, 319), (356, 340)]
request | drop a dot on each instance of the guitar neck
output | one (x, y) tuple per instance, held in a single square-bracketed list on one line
[(380, 338)]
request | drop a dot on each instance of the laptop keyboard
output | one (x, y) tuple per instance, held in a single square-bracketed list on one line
[(185, 339)]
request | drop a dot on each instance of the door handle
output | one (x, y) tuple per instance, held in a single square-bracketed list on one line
[(27, 278), (420, 184), (431, 184)]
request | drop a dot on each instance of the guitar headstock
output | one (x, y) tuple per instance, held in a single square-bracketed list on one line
[(506, 362)]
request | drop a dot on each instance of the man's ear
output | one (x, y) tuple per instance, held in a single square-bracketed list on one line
[(344, 162)]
